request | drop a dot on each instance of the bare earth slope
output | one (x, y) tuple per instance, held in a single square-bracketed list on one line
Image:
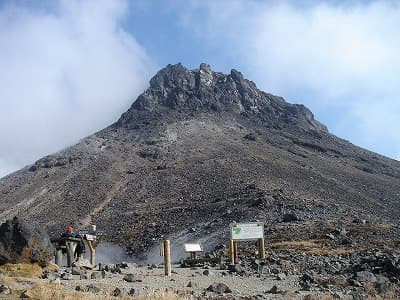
[(200, 149)]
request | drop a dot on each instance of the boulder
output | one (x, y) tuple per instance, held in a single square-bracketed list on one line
[(130, 278), (236, 268), (364, 276), (275, 290), (219, 288), (20, 243), (290, 217), (83, 263)]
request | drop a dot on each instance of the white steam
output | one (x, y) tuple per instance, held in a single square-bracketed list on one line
[(109, 253)]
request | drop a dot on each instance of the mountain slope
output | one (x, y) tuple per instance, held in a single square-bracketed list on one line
[(201, 149)]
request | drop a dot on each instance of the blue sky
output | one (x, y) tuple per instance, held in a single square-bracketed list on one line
[(69, 68)]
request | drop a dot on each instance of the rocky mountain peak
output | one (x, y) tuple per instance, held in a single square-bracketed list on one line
[(203, 90)]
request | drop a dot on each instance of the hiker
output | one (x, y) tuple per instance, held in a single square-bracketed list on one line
[(69, 232)]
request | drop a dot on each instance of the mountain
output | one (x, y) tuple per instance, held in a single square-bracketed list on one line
[(196, 151)]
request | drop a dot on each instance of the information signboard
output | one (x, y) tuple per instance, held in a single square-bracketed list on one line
[(247, 231), (192, 247)]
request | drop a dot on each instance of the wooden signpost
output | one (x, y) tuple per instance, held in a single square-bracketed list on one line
[(91, 238), (246, 232)]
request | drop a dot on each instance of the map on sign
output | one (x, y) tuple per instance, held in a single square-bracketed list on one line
[(247, 231)]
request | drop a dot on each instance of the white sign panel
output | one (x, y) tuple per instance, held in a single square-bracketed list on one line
[(192, 247), (247, 231)]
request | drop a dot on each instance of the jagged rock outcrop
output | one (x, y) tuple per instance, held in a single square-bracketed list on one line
[(178, 88), (20, 242)]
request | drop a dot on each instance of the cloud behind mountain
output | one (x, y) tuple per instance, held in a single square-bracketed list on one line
[(66, 69)]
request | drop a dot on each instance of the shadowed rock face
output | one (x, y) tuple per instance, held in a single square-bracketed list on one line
[(19, 243), (196, 151)]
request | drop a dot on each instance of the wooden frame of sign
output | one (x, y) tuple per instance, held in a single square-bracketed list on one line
[(246, 232)]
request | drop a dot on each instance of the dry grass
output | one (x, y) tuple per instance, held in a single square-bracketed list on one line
[(316, 247), (21, 270)]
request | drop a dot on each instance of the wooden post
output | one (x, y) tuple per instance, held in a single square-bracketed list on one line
[(59, 257), (232, 251), (92, 249), (162, 249), (92, 244), (261, 248), (167, 258), (235, 244)]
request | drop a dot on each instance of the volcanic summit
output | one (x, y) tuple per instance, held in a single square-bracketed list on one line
[(197, 150)]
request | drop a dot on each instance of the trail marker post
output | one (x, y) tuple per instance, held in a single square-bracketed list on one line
[(165, 250), (91, 237)]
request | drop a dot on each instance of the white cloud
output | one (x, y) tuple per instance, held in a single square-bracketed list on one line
[(332, 57), (64, 73)]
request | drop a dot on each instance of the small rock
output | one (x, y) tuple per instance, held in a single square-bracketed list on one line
[(355, 283), (307, 277), (207, 273), (250, 136), (92, 288), (5, 290), (77, 271), (84, 276), (330, 236), (51, 276), (219, 288), (340, 231), (132, 292), (281, 276), (364, 276), (223, 266), (275, 290), (67, 276), (95, 275), (305, 285), (236, 268), (26, 295), (192, 284), (381, 279), (129, 278), (116, 292), (56, 281), (290, 217), (83, 263)]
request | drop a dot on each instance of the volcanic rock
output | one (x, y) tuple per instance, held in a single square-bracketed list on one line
[(19, 243), (219, 288)]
